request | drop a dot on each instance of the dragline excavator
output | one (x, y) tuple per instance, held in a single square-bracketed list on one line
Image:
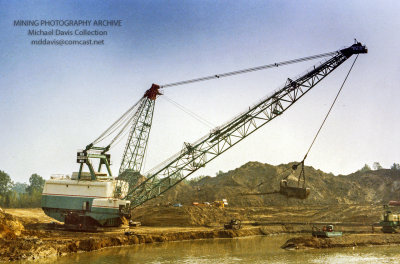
[(95, 198)]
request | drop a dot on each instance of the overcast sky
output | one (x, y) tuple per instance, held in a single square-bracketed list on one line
[(56, 99)]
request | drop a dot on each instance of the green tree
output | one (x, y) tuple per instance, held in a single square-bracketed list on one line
[(5, 183), (19, 187), (220, 172), (395, 166), (36, 184), (377, 166), (365, 168)]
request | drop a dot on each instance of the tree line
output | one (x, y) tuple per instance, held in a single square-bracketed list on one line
[(20, 195), (377, 166)]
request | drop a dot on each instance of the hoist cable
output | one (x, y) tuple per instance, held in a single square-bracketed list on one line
[(330, 109), (319, 130), (258, 68)]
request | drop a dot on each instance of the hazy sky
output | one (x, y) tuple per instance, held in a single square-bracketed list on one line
[(55, 100)]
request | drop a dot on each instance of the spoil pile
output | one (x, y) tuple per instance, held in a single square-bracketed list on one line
[(10, 227), (183, 216), (371, 187)]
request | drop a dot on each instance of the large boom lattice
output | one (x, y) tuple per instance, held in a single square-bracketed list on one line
[(194, 156)]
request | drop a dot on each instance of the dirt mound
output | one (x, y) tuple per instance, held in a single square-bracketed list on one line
[(377, 187), (304, 242), (266, 215), (380, 185), (10, 227), (182, 216)]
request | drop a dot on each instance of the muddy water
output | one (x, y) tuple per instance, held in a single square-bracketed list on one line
[(265, 249)]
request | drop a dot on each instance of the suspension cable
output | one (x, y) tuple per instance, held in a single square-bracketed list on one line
[(124, 128), (190, 113), (127, 117), (116, 124), (116, 127), (263, 67), (119, 139)]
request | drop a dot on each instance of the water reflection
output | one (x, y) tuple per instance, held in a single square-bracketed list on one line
[(264, 249)]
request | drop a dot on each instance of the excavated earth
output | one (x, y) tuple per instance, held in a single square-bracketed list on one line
[(353, 203), (349, 240), (27, 233), (368, 187)]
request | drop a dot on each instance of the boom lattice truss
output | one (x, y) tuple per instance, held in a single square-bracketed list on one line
[(195, 156)]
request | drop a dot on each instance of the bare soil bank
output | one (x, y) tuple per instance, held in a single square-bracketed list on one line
[(41, 242), (349, 240), (211, 216), (25, 233)]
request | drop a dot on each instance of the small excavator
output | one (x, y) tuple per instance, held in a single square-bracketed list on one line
[(390, 221)]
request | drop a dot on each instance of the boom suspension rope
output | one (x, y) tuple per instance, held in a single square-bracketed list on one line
[(258, 68), (197, 155), (139, 118), (128, 116)]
